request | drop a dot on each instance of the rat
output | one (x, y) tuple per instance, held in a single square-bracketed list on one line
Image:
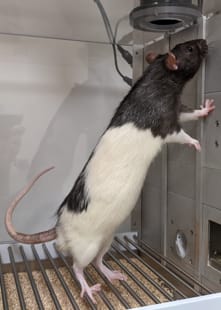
[(110, 183)]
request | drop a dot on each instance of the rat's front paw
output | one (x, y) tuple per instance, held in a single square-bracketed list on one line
[(196, 144), (207, 108)]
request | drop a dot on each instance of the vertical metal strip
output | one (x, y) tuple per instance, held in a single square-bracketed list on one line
[(17, 282), (31, 279), (164, 191), (3, 289), (61, 279), (47, 281), (199, 163)]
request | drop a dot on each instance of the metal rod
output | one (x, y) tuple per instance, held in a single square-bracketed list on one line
[(115, 291), (101, 293), (61, 256), (131, 275), (167, 260), (17, 282), (164, 268), (129, 289), (54, 37), (3, 290), (146, 276), (31, 279), (151, 268), (47, 281), (61, 279)]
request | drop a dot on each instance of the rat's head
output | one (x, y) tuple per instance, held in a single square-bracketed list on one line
[(184, 59)]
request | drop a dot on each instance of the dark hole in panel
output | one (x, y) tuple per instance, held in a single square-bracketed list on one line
[(165, 22), (215, 245)]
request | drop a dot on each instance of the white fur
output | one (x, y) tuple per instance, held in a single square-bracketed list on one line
[(114, 178)]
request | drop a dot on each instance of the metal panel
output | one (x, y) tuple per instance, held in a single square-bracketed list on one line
[(180, 218), (181, 176), (210, 273), (211, 6), (211, 187), (212, 125), (213, 62)]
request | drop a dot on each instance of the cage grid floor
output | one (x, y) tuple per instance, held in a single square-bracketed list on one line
[(55, 287)]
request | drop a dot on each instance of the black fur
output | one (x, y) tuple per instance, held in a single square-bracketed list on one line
[(77, 200), (153, 102)]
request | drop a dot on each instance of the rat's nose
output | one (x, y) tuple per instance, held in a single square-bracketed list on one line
[(203, 47)]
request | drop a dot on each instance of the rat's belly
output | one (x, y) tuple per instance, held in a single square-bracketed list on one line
[(116, 172)]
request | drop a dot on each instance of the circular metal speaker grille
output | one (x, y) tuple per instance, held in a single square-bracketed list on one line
[(163, 15)]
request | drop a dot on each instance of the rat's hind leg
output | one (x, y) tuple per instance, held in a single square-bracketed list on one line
[(183, 138), (85, 288), (84, 252), (109, 274)]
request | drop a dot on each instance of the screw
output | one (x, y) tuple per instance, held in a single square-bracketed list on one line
[(217, 123), (216, 143)]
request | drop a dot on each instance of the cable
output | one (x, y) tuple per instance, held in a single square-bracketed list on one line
[(111, 40), (124, 53)]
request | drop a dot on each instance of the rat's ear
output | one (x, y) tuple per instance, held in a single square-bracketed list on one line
[(150, 57), (171, 62)]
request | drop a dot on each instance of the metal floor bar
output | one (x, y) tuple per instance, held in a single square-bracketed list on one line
[(17, 282), (129, 289), (63, 283), (31, 279), (47, 281), (152, 269), (145, 275), (167, 260), (137, 281), (3, 289), (145, 283), (165, 268), (64, 260)]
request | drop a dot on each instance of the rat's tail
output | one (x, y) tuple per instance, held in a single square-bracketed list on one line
[(27, 238)]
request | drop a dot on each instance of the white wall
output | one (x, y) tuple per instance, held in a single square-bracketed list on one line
[(56, 98)]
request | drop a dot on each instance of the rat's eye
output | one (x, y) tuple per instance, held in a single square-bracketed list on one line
[(190, 49)]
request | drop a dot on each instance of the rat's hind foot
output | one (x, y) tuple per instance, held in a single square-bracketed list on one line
[(110, 274), (90, 290), (85, 288)]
